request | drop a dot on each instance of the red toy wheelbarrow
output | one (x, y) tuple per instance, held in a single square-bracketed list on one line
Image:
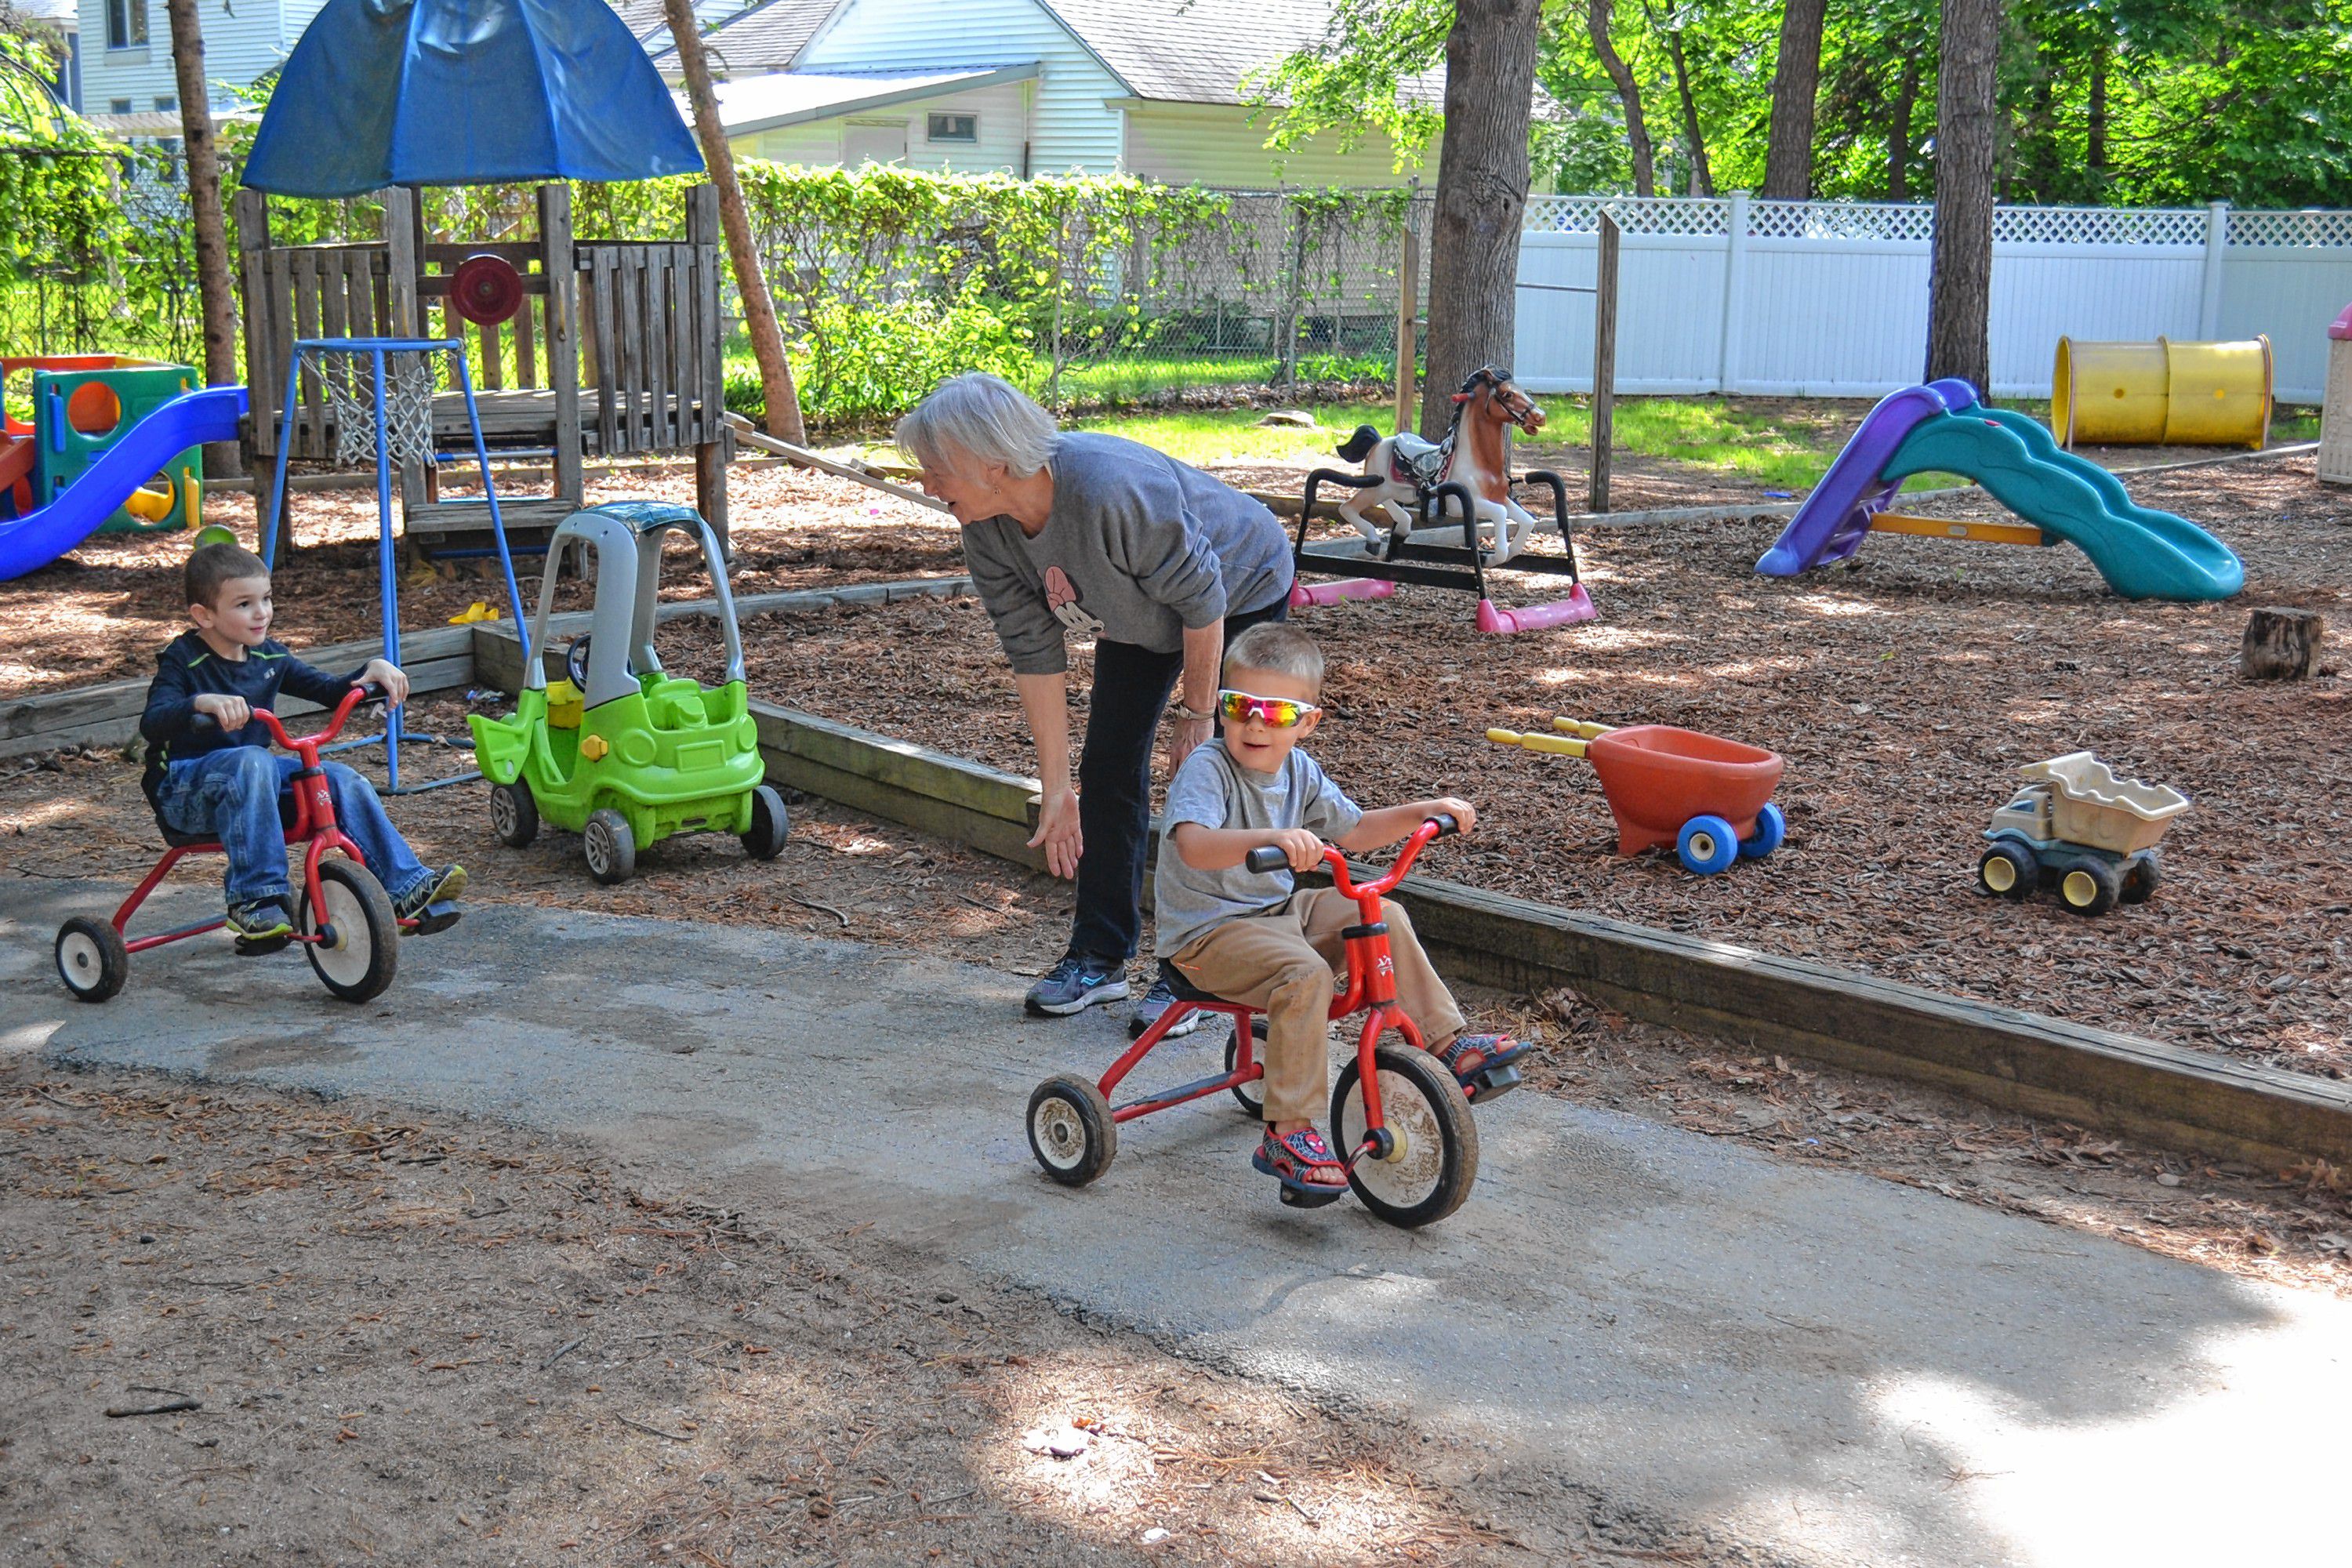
[(1709, 797)]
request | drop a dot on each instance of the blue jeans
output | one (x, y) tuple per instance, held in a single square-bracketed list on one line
[(1131, 689), (232, 795)]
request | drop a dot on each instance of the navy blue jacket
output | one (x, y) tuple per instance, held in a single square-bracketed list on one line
[(187, 668)]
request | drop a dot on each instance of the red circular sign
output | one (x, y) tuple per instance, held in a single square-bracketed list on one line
[(485, 290)]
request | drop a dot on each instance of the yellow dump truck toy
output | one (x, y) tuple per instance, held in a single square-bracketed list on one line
[(2076, 824)]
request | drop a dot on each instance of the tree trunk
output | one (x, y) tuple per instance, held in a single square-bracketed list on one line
[(1628, 93), (1702, 182), (2282, 645), (2094, 129), (1898, 131), (783, 402), (216, 289), (1796, 81), (1482, 197), (1959, 285)]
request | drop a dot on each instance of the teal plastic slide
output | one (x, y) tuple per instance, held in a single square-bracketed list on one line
[(29, 542), (2143, 553)]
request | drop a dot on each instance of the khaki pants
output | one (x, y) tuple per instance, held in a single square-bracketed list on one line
[(1284, 962)]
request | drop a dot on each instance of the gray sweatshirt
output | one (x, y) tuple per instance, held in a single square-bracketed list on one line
[(1139, 548)]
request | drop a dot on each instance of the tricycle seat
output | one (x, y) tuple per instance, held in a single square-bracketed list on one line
[(175, 840), (1184, 990)]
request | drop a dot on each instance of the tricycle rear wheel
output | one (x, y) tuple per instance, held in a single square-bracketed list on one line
[(1071, 1131), (1250, 1096), (1434, 1162), (93, 959)]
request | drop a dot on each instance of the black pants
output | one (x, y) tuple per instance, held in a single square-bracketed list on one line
[(1131, 689)]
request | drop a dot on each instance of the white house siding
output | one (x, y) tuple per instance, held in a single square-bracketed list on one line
[(1069, 131), (1220, 145), (239, 47), (1003, 114)]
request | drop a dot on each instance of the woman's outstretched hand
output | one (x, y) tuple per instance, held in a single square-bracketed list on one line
[(1057, 833)]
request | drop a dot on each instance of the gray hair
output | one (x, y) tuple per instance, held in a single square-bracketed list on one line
[(979, 418), (1278, 650)]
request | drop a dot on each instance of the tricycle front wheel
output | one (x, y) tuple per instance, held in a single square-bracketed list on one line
[(1432, 1160), (359, 960)]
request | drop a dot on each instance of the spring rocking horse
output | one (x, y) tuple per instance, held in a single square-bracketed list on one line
[(1414, 483)]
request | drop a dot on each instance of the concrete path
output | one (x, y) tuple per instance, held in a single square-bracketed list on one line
[(1637, 1324)]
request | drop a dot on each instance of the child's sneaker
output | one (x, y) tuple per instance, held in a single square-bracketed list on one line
[(259, 926), (433, 887)]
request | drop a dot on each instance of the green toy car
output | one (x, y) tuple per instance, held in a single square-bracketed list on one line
[(622, 753)]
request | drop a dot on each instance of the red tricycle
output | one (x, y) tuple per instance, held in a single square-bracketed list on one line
[(1402, 1120), (345, 920)]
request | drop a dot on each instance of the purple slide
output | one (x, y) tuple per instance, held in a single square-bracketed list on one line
[(29, 542), (1833, 522)]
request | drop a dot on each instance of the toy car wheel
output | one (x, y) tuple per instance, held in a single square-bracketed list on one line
[(611, 847), (769, 824), (360, 960), (1708, 844), (514, 815), (2144, 880), (1071, 1131), (1434, 1162), (2009, 871), (2091, 889), (1250, 1096), (92, 959), (1772, 831)]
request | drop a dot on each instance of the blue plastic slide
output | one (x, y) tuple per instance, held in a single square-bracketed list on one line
[(29, 542), (2143, 553)]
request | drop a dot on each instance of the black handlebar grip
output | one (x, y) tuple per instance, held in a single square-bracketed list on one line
[(1446, 824), (1266, 857)]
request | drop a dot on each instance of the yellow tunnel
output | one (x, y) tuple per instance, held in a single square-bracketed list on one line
[(2180, 395)]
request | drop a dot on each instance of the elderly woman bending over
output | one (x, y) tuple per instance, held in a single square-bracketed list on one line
[(1158, 563)]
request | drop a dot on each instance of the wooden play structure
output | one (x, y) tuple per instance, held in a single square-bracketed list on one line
[(613, 351)]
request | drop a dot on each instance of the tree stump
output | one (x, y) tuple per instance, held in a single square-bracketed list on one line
[(2282, 645)]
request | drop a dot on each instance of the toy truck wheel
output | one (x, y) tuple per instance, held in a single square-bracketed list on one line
[(769, 824), (1071, 1131), (1435, 1161), (2009, 871), (1771, 831), (1708, 844), (92, 959), (2144, 880), (2091, 889), (611, 849), (514, 815), (360, 963)]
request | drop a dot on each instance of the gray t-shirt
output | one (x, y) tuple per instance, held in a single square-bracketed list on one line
[(1138, 548), (1214, 791)]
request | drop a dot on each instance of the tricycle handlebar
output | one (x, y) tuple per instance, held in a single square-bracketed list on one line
[(361, 691), (1269, 858)]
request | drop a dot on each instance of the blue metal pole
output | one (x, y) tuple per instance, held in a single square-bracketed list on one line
[(387, 578), (285, 444), (490, 493)]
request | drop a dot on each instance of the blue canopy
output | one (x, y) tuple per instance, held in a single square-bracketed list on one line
[(465, 92)]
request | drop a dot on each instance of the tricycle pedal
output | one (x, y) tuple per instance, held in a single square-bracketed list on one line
[(435, 919), (260, 947), (1493, 1083), (1293, 1198)]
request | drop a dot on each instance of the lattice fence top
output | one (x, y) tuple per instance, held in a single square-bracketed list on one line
[(1915, 222)]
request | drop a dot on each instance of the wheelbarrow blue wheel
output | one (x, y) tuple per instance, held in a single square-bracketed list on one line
[(1708, 844), (1771, 829)]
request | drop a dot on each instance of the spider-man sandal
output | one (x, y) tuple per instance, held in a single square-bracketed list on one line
[(1310, 1175), (1490, 1073)]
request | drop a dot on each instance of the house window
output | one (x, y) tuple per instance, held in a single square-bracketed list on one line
[(126, 24), (118, 106), (963, 129), (167, 104)]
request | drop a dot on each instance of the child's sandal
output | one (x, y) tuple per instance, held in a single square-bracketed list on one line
[(1490, 1073), (1310, 1175)]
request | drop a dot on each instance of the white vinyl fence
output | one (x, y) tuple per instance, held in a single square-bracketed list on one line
[(1829, 298)]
